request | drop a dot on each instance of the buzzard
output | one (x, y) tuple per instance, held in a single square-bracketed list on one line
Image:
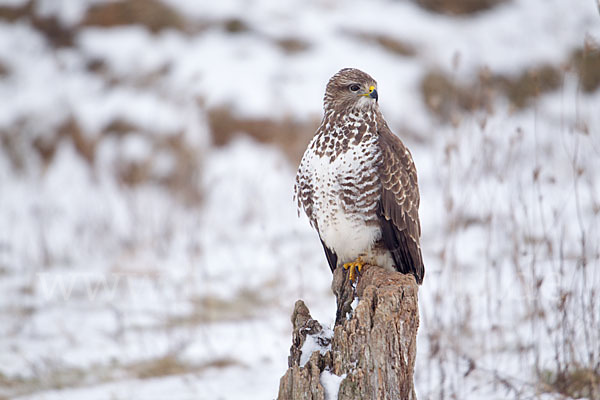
[(357, 183)]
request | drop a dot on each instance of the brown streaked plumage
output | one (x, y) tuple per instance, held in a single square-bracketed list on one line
[(357, 182)]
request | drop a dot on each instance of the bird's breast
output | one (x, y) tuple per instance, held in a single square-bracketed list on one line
[(346, 191)]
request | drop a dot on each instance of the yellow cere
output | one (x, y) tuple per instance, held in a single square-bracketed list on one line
[(371, 89)]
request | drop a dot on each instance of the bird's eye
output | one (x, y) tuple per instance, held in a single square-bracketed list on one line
[(354, 87)]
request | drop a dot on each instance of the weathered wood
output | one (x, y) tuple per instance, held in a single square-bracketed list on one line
[(374, 344), (302, 383)]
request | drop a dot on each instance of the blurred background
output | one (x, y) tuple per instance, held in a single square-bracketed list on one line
[(149, 244)]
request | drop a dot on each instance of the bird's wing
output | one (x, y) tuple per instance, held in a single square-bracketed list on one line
[(399, 206), (331, 256)]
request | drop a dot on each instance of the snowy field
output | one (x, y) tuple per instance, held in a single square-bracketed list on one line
[(149, 244)]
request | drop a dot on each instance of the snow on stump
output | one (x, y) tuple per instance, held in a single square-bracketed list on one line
[(371, 352)]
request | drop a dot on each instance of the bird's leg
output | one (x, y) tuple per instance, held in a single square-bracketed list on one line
[(353, 267)]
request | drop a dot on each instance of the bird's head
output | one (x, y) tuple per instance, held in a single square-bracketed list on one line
[(351, 88)]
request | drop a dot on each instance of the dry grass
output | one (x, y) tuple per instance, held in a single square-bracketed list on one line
[(523, 89), (152, 14), (450, 100), (120, 127), (292, 45), (142, 80), (289, 135), (17, 145), (12, 147), (4, 71), (69, 130), (587, 65), (50, 27), (458, 7), (553, 287), (11, 14), (56, 377), (171, 364), (577, 383), (389, 43), (181, 179), (245, 304), (235, 25)]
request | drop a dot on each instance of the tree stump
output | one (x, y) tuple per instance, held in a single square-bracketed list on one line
[(371, 352)]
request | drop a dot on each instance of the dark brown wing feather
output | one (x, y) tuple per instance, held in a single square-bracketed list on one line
[(331, 256), (399, 207)]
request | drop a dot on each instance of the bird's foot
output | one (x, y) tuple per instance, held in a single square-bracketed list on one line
[(354, 268)]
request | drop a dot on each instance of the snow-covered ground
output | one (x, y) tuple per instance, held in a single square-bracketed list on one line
[(180, 285)]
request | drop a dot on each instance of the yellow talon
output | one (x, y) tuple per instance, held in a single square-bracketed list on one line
[(353, 266)]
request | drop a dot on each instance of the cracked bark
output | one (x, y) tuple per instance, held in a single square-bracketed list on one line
[(374, 344)]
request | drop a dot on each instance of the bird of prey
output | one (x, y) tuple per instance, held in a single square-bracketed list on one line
[(357, 183)]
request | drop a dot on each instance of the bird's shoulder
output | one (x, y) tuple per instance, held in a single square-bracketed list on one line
[(397, 158)]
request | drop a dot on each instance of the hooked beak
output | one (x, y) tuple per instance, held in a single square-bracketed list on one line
[(372, 93)]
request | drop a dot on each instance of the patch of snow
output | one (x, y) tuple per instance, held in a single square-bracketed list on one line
[(354, 303), (331, 384), (320, 342)]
